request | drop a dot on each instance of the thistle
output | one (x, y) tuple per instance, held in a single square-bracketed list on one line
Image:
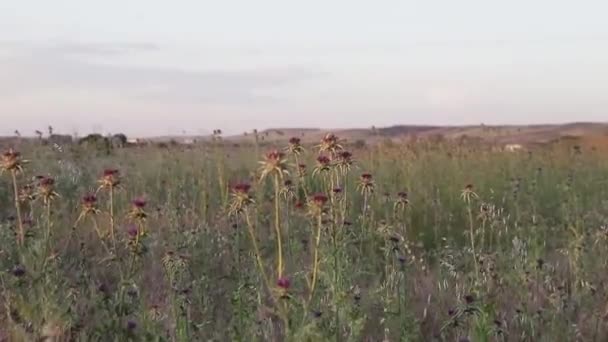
[(240, 198), (323, 165), (46, 190), (402, 201), (11, 161), (468, 193), (89, 205), (344, 161), (110, 181), (294, 148), (27, 194), (274, 163), (330, 144), (317, 208), (288, 191), (283, 284), (366, 184), (137, 209)]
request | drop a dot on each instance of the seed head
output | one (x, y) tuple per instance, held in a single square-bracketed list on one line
[(284, 283), (110, 179), (137, 209), (11, 161), (18, 271), (402, 201), (323, 165), (366, 183), (240, 197), (468, 193), (274, 163), (132, 231), (301, 170), (27, 193), (46, 189), (319, 200), (330, 143), (295, 147), (89, 204), (344, 161)]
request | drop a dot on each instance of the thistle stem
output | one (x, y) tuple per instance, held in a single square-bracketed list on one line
[(277, 225), (112, 217), (21, 235), (315, 268)]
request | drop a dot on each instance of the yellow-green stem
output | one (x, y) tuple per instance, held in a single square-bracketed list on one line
[(315, 268), (21, 236), (112, 216), (277, 225)]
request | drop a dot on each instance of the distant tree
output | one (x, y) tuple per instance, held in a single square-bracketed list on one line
[(359, 144), (50, 128), (17, 133), (119, 140), (39, 134)]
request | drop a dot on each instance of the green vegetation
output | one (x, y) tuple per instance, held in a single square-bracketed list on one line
[(394, 242)]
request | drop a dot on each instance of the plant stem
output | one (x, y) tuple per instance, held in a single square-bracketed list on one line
[(21, 235), (277, 225), (472, 237), (315, 268), (112, 217)]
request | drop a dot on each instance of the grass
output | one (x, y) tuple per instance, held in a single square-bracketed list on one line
[(396, 242)]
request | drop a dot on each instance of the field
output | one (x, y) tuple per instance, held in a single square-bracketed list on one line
[(281, 241)]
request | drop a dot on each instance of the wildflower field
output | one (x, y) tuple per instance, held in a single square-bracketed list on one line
[(303, 242)]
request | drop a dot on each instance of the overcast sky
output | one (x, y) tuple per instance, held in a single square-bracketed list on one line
[(151, 67)]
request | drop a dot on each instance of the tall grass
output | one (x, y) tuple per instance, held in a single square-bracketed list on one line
[(394, 242)]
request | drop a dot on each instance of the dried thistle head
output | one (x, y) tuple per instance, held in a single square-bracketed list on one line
[(344, 161), (402, 201), (283, 284), (11, 161), (46, 189), (27, 193), (132, 232), (323, 165), (337, 192), (138, 206), (110, 179), (330, 144), (366, 183), (295, 147), (316, 204), (89, 204), (288, 191), (301, 170), (240, 198), (468, 193), (274, 163)]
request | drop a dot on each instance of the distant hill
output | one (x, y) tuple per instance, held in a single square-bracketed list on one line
[(503, 134), (495, 134)]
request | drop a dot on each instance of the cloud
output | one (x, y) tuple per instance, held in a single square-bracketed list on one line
[(27, 69)]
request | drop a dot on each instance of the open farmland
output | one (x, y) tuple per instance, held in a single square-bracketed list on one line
[(304, 241)]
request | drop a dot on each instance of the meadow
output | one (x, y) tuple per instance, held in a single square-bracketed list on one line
[(298, 242)]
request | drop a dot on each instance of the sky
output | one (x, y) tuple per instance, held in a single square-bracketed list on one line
[(150, 67)]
